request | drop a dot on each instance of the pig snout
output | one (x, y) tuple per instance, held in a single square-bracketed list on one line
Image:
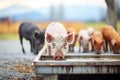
[(59, 56), (85, 49)]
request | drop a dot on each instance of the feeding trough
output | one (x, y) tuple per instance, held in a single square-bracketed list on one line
[(78, 63)]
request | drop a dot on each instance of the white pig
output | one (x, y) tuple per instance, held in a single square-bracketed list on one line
[(83, 39), (56, 41), (90, 31)]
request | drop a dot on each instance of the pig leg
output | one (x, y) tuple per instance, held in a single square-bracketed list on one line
[(92, 48), (22, 44), (106, 46), (111, 47), (73, 48), (79, 46), (33, 47), (69, 48), (31, 44)]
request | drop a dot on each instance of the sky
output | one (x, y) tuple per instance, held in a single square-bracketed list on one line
[(34, 4), (79, 8)]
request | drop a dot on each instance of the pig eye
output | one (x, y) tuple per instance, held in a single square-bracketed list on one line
[(65, 45), (53, 45)]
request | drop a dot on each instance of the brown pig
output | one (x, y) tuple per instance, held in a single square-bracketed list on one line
[(97, 41), (112, 38)]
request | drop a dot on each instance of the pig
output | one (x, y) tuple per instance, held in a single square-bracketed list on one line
[(71, 46), (83, 39), (112, 38), (56, 41), (33, 34), (97, 41), (90, 31)]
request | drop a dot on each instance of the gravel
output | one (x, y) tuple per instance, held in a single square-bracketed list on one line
[(14, 65)]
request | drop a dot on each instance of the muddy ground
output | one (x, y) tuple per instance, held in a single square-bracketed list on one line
[(14, 65)]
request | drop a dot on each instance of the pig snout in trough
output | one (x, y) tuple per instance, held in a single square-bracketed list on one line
[(97, 42), (57, 40)]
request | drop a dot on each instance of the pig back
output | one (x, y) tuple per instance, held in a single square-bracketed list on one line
[(97, 34), (28, 29), (109, 32)]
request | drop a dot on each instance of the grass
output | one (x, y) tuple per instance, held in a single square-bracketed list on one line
[(9, 36)]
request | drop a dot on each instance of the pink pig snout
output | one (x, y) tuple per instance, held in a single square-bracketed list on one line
[(58, 55)]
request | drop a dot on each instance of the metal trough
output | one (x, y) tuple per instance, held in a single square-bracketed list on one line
[(78, 63)]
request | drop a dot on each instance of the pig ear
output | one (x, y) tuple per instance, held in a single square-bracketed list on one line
[(49, 37), (36, 34), (70, 38), (113, 41)]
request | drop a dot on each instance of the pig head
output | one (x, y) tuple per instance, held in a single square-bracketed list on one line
[(97, 42), (115, 45), (57, 40)]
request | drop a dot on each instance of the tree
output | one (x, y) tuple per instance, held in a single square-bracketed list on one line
[(111, 18)]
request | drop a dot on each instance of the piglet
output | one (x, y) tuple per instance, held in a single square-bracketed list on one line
[(97, 42), (83, 39), (112, 38), (56, 41)]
